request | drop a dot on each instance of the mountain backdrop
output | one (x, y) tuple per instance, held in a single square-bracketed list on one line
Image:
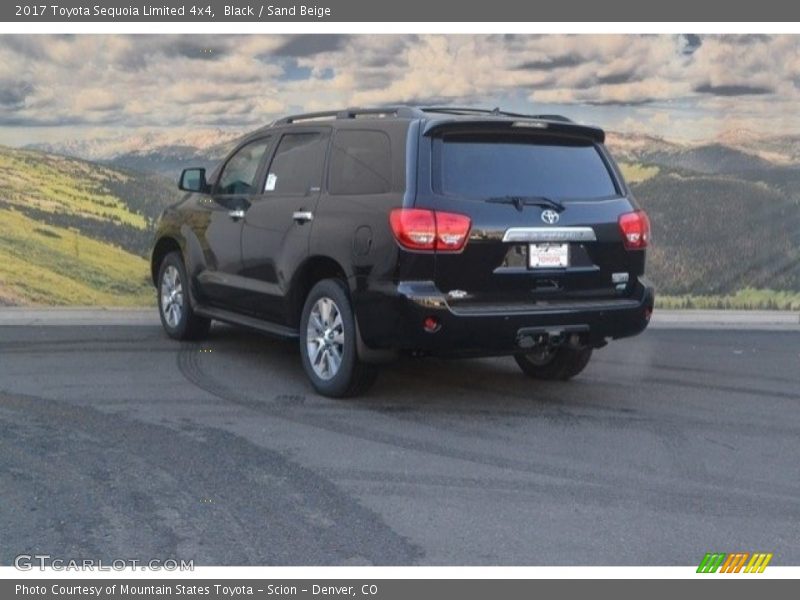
[(163, 153), (77, 217), (725, 214)]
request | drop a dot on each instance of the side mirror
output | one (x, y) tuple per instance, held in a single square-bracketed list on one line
[(193, 180)]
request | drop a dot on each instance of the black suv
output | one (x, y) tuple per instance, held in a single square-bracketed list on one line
[(366, 233)]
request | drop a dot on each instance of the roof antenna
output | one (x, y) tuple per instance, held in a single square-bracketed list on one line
[(496, 110)]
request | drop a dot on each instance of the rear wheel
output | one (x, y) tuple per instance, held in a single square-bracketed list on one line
[(328, 343), (561, 363), (174, 305)]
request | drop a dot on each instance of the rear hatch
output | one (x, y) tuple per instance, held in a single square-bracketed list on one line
[(544, 209)]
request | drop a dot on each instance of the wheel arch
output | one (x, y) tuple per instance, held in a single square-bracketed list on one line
[(163, 246), (314, 269)]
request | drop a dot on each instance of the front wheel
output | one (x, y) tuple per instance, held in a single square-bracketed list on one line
[(174, 304), (328, 343), (560, 363)]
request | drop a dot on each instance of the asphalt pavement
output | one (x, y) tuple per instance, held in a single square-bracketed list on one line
[(117, 443)]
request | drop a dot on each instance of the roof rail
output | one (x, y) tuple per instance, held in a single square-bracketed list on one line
[(560, 118), (312, 116), (352, 113), (409, 112), (458, 110)]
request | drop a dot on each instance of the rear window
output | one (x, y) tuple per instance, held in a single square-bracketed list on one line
[(360, 163), (485, 166)]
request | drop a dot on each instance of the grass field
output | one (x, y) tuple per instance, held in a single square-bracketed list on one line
[(46, 265), (637, 173), (74, 232), (58, 184), (746, 299)]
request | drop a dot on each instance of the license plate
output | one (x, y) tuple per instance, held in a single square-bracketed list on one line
[(548, 256)]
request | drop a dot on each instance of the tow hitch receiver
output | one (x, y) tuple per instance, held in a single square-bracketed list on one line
[(551, 337)]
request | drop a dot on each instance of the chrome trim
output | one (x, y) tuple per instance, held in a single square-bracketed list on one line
[(550, 234), (303, 216), (620, 277)]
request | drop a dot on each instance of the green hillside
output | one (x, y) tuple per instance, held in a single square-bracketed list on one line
[(74, 232), (717, 235), (637, 173)]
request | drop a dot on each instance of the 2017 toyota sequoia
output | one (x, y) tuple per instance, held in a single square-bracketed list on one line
[(367, 233)]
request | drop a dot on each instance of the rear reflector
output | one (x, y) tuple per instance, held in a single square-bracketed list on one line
[(423, 229), (635, 228), (431, 324)]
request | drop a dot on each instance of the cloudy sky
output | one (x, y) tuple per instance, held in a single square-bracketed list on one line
[(54, 88)]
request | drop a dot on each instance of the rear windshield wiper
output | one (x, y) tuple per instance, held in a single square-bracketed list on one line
[(521, 201)]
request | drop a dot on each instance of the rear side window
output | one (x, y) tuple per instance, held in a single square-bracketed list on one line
[(239, 174), (360, 163), (485, 166), (297, 165)]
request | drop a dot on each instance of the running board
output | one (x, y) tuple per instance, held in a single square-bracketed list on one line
[(244, 321)]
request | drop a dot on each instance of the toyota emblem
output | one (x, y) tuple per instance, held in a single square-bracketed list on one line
[(550, 217)]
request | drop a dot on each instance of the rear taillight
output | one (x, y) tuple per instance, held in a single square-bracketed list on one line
[(414, 228), (451, 231), (423, 229), (635, 228)]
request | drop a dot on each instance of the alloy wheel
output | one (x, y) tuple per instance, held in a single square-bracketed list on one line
[(325, 338), (171, 296)]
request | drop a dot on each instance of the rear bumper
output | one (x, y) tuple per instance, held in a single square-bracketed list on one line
[(392, 319)]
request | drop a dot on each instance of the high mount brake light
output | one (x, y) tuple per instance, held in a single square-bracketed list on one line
[(635, 229), (429, 230)]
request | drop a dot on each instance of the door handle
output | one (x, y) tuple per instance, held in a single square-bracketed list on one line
[(236, 214), (303, 216)]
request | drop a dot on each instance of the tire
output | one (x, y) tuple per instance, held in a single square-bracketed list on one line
[(174, 304), (560, 364), (328, 343)]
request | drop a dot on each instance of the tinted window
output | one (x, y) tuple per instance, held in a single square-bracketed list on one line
[(239, 174), (360, 163), (297, 165), (483, 166)]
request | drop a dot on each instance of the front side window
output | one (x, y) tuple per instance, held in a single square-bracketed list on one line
[(297, 165), (496, 165), (239, 174)]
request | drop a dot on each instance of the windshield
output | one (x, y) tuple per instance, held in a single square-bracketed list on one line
[(494, 166)]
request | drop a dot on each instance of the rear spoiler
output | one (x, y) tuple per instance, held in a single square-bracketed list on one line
[(533, 125)]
